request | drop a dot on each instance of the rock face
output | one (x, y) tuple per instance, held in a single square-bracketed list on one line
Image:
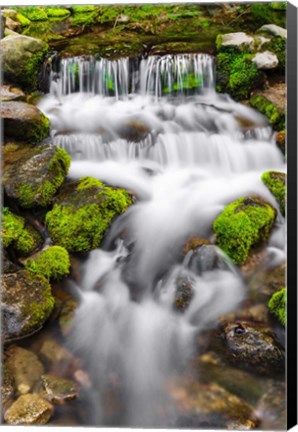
[(24, 122), (274, 30), (26, 304), (235, 40), (82, 212), (265, 60), (34, 178), (28, 410), (22, 57)]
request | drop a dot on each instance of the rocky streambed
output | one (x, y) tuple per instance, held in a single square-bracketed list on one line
[(143, 233)]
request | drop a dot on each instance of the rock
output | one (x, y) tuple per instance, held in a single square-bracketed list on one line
[(253, 347), (183, 293), (258, 313), (275, 116), (22, 58), (281, 141), (238, 40), (265, 283), (134, 131), (241, 225), (24, 122), (7, 265), (25, 368), (35, 177), (51, 263), (272, 407), (207, 258), (193, 243), (59, 390), (28, 410), (210, 406), (260, 41), (26, 304), (276, 183), (265, 60), (83, 211), (7, 389), (274, 30), (10, 93), (18, 234), (54, 354)]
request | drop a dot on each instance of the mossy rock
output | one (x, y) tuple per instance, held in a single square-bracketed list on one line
[(22, 59), (278, 45), (275, 116), (29, 409), (34, 13), (17, 233), (281, 141), (51, 263), (10, 93), (237, 75), (58, 390), (57, 12), (26, 304), (243, 224), (83, 211), (276, 183), (84, 15), (35, 177), (24, 122), (277, 305)]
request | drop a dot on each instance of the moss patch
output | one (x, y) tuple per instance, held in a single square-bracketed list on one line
[(277, 305), (82, 213), (241, 225), (275, 116), (52, 263), (275, 182), (57, 12), (34, 13)]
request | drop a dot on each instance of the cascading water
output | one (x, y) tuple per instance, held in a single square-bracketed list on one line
[(157, 128)]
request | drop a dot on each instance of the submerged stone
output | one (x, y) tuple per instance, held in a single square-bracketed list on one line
[(59, 390), (29, 409), (83, 211), (276, 183), (26, 304), (184, 293), (272, 407), (35, 177)]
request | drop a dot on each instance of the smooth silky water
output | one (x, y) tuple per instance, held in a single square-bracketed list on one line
[(157, 128)]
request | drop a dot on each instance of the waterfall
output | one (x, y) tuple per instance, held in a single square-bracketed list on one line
[(157, 128)]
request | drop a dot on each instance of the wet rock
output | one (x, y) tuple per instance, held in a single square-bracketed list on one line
[(25, 368), (67, 315), (274, 30), (7, 265), (209, 405), (238, 40), (7, 389), (22, 58), (194, 243), (54, 354), (276, 183), (275, 115), (265, 60), (265, 283), (134, 131), (83, 211), (59, 390), (10, 93), (253, 347), (23, 121), (28, 410), (272, 408), (257, 313), (183, 293), (34, 178), (26, 304), (281, 141), (207, 258)]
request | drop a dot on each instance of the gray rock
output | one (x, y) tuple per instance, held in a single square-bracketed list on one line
[(265, 60), (239, 40), (9, 93), (274, 30)]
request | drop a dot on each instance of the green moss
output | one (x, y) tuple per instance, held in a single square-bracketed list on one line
[(277, 305), (80, 226), (22, 20), (32, 69), (278, 46), (28, 241), (83, 9), (278, 5), (57, 12), (51, 263), (237, 75), (241, 225), (263, 13), (275, 116), (34, 13), (275, 182), (85, 18)]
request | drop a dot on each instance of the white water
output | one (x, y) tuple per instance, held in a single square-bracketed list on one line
[(184, 158)]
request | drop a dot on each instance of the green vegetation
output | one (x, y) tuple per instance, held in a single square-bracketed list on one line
[(79, 224), (277, 305), (264, 13), (241, 225), (76, 9), (275, 182), (278, 46), (34, 13), (22, 20), (237, 74), (189, 82), (51, 263), (31, 70), (24, 239), (271, 111), (57, 12), (84, 15)]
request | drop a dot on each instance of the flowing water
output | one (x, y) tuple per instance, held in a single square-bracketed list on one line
[(157, 128)]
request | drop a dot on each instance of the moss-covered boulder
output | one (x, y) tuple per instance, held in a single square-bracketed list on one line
[(22, 58), (274, 114), (277, 305), (34, 177), (83, 211), (34, 13), (276, 183), (26, 304), (52, 263), (24, 122), (15, 232), (243, 224), (29, 409)]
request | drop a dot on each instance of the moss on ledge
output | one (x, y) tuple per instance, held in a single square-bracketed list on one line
[(243, 224), (277, 305)]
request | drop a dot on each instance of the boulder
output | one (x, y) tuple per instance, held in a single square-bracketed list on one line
[(265, 60), (26, 304), (33, 178), (274, 30), (239, 40), (59, 390), (22, 58), (51, 263), (24, 122), (10, 93), (29, 409)]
